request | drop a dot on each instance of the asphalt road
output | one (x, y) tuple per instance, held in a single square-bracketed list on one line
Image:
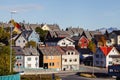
[(101, 74)]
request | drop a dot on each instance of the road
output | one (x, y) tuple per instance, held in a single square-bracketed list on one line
[(72, 75)]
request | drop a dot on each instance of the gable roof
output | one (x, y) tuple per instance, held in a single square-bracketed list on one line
[(51, 50), (25, 34), (117, 32), (69, 48), (18, 50), (106, 50), (87, 34), (30, 51)]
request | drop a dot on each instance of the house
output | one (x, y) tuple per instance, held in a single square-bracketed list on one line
[(83, 42), (19, 56), (60, 42), (20, 40), (52, 42), (70, 58), (66, 42), (57, 34), (85, 53), (103, 58), (31, 58), (115, 37), (34, 37), (74, 31), (51, 57), (26, 36), (50, 27)]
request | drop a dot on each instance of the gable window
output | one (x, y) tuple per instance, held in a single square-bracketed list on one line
[(18, 41), (68, 53), (71, 53)]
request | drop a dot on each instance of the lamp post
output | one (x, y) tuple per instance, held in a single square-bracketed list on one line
[(12, 12)]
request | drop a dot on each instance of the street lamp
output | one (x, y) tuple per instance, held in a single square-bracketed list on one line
[(12, 12)]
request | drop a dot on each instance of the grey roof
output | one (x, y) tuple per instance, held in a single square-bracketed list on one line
[(18, 50), (51, 50), (31, 51), (53, 27), (87, 34), (75, 31), (69, 48), (25, 34), (117, 32)]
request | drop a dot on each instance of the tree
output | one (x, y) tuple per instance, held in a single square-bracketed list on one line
[(4, 36), (92, 46), (41, 33), (5, 60), (31, 43)]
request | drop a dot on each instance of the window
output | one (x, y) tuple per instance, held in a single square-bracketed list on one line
[(63, 43), (75, 60), (29, 59), (110, 62), (19, 41), (68, 53), (65, 60), (29, 65), (36, 58), (50, 64), (97, 62), (70, 60), (71, 53), (23, 41), (97, 55)]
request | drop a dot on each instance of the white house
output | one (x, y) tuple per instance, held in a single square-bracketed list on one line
[(70, 58), (20, 40), (66, 42), (31, 58), (115, 37), (103, 58)]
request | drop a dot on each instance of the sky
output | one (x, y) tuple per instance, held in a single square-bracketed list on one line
[(87, 14)]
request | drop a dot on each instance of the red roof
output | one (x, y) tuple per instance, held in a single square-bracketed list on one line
[(106, 50)]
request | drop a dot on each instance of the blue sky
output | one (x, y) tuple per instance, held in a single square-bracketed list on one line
[(87, 14)]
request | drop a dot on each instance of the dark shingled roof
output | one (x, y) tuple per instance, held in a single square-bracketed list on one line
[(69, 48), (18, 50), (51, 50)]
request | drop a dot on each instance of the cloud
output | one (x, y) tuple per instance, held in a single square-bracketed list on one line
[(21, 8)]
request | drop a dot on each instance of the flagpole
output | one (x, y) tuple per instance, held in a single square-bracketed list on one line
[(12, 12)]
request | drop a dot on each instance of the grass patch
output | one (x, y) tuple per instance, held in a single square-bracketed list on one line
[(39, 77), (87, 75)]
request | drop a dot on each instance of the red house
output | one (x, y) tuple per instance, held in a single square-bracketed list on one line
[(83, 42)]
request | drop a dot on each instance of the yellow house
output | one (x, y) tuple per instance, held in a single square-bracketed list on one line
[(51, 57), (50, 27)]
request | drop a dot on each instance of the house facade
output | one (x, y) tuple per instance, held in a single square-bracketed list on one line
[(70, 59), (19, 56), (20, 41), (115, 37), (31, 58), (34, 37), (103, 58), (51, 57), (66, 42), (83, 42)]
